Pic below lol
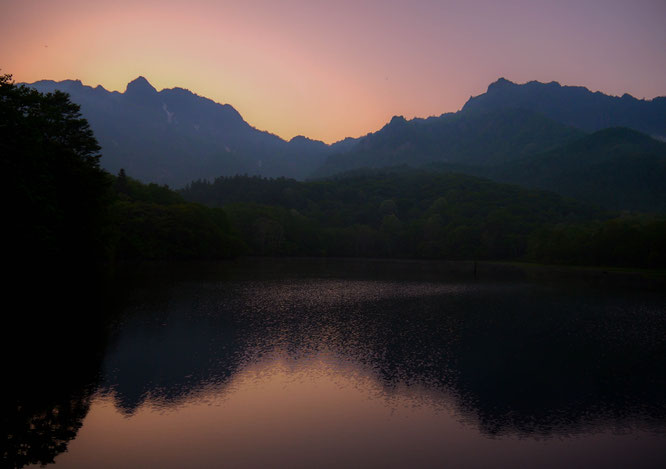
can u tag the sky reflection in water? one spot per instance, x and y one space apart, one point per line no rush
320 370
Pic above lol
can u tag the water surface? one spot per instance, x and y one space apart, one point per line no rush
314 363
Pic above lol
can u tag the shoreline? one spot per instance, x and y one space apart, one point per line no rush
455 270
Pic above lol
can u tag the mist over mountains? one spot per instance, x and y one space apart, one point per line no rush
539 135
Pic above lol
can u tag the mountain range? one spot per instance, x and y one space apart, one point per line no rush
174 136
575 106
597 148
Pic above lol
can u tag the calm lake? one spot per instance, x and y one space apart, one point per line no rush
351 363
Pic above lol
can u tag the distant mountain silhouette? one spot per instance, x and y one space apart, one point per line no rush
175 136
486 138
534 134
575 105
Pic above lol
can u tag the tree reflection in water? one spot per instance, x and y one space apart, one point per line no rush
515 357
519 357
53 344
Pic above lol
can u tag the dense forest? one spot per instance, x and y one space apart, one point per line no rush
617 168
68 211
404 212
149 221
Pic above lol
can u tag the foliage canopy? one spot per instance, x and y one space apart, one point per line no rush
51 160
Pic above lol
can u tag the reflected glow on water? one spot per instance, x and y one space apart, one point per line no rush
396 367
319 413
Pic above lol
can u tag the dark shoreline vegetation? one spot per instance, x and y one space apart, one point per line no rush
410 213
69 211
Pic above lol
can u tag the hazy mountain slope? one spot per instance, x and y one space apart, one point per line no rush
617 168
174 136
483 138
575 105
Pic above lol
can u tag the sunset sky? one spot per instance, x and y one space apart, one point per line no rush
332 69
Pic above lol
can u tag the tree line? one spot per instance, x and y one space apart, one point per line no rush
410 213
66 210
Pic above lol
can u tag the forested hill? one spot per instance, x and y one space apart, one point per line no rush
617 168
357 196
402 212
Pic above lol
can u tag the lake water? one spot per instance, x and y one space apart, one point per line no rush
348 363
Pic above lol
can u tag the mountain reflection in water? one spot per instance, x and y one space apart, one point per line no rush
376 364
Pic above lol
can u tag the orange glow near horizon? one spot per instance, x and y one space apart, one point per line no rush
316 412
295 411
329 71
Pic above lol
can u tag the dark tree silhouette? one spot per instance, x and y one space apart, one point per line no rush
51 163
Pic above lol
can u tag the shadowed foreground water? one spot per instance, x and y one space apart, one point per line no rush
356 364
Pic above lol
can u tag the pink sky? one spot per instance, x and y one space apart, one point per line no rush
329 70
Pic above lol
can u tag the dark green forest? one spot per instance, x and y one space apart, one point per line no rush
618 168
149 221
409 213
67 210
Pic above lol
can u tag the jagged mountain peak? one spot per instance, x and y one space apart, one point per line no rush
500 83
301 138
574 105
396 122
140 85
174 136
